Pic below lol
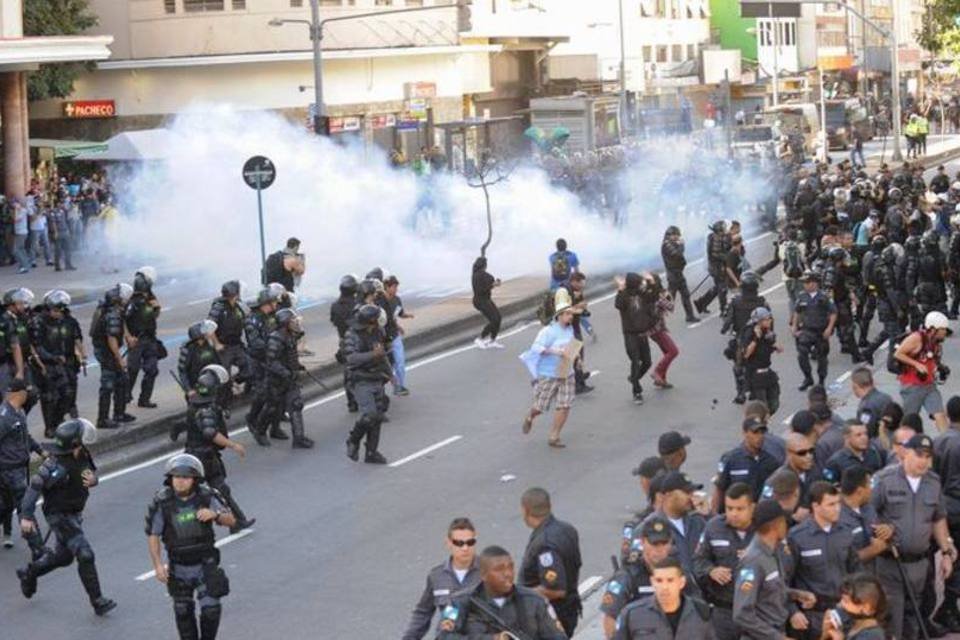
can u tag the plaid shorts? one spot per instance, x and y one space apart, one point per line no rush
547 389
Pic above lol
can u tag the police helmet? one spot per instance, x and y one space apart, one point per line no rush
230 289
719 226
348 284
202 328
836 253
20 294
57 298
265 297
912 244
879 243
124 291
935 320
290 300
276 290
368 313
374 274
749 279
71 434
183 465
211 378
930 238
809 275
894 194
366 288
285 316
759 314
672 230
144 278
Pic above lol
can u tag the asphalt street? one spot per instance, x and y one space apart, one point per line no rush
342 549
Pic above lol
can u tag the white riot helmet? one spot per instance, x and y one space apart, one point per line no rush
935 320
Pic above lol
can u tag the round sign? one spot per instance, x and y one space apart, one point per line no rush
259 172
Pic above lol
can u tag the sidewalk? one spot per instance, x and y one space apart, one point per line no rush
938 151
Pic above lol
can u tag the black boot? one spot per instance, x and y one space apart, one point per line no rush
209 622
186 622
103 412
243 522
373 443
277 432
91 584
146 392
28 581
300 441
806 384
259 434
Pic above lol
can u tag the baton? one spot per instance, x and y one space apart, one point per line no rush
910 594
316 380
695 289
177 380
615 563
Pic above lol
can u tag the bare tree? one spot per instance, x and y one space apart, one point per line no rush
489 171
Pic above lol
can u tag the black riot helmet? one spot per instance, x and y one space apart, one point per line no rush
230 289
889 255
375 274
836 253
285 316
265 297
931 239
143 279
211 378
368 314
366 288
719 226
912 244
200 329
71 434
894 194
749 280
879 243
348 285
183 465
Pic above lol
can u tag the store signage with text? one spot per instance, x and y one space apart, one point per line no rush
90 109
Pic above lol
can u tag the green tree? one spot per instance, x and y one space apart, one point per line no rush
56 18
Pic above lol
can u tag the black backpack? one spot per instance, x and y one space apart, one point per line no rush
546 309
894 366
560 268
273 269
792 260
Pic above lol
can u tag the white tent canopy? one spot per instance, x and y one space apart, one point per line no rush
134 146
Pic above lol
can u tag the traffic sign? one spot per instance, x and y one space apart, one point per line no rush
259 172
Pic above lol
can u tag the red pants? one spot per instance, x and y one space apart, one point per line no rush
669 349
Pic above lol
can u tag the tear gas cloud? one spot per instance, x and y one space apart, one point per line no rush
353 212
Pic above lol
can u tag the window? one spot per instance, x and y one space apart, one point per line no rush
677 54
691 52
239 5
414 3
647 53
326 3
170 6
296 4
661 53
193 6
383 3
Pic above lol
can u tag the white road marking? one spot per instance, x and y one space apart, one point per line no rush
844 377
588 584
200 301
233 537
425 451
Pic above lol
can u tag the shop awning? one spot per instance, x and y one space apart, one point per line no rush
133 146
67 148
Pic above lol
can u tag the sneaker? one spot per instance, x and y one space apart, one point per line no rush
495 345
146 404
481 343
22 271
7 541
638 398
402 391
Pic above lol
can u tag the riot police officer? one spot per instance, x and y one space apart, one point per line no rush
674 262
812 323
369 370
196 353
551 562
228 312
723 542
64 481
340 313
931 292
106 332
756 343
17 305
868 293
735 319
895 222
181 518
718 246
257 327
16 445
144 351
55 342
890 301
12 357
283 366
207 437
838 285
908 277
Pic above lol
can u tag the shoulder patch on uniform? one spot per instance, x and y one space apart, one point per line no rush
747 574
550 575
828 474
720 466
546 558
767 491
614 587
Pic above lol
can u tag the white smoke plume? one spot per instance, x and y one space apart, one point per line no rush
353 212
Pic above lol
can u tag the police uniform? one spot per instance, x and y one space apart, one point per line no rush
552 560
442 585
257 328
736 318
16 444
822 558
720 546
806 478
912 514
368 374
340 312
946 463
8 345
760 597
739 465
871 408
141 318
646 619
859 523
283 366
54 343
873 459
193 357
108 323
230 319
761 380
469 616
813 317
684 542
194 561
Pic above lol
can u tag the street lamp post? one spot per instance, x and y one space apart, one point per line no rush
623 75
316 35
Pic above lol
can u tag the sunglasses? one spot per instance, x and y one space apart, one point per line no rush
759 430
464 543
803 452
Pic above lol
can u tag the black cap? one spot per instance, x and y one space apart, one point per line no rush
753 424
674 480
802 422
672 441
16 385
920 442
656 530
649 467
767 511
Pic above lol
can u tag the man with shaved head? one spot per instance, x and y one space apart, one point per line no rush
497 606
800 461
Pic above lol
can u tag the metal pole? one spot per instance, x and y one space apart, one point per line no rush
624 119
727 116
896 156
263 244
823 117
863 58
775 23
316 35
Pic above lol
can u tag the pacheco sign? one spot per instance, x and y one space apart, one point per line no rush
78 109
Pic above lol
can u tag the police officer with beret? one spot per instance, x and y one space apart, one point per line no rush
749 463
649 470
676 508
723 543
497 608
909 499
460 572
761 598
551 562
16 445
670 613
64 481
812 323
823 555
181 518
